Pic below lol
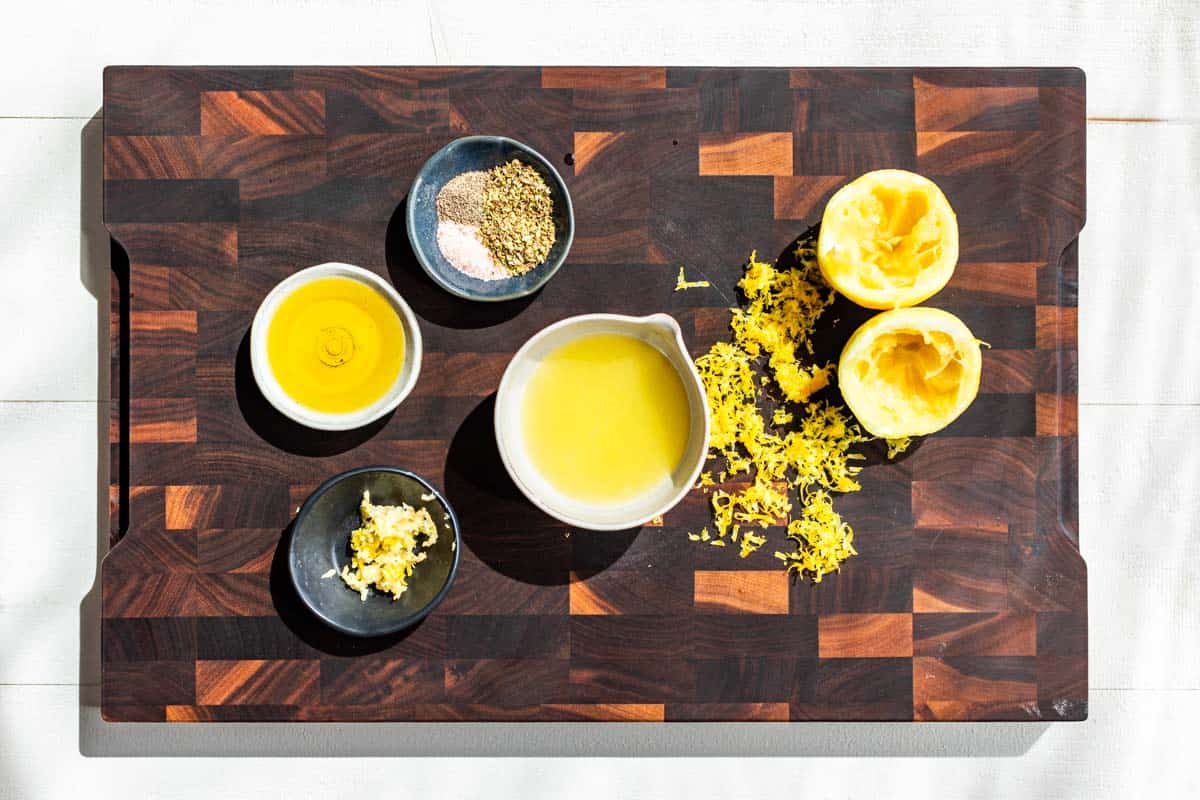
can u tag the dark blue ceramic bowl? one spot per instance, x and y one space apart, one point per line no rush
483 153
321 541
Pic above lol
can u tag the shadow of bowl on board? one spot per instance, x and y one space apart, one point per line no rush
306 626
838 323
430 301
280 431
503 529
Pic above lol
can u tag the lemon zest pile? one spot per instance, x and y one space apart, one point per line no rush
751 542
385 547
814 455
783 310
683 283
823 540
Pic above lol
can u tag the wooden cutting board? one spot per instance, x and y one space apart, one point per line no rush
968 599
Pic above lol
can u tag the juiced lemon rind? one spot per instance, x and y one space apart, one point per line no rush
910 372
889 239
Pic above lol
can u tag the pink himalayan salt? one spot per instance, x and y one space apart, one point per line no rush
461 246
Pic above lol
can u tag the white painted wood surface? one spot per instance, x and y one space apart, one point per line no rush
1139 416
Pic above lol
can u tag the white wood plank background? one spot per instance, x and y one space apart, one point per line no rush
1139 416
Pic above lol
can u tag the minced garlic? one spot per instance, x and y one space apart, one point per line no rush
385 547
813 455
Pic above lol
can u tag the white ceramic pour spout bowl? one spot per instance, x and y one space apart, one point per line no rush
274 393
662 332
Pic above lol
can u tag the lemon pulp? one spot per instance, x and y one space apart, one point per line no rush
335 345
910 372
605 418
888 239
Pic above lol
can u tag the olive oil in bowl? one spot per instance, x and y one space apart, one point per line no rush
335 345
605 418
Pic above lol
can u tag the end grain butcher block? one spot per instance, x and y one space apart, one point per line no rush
968 599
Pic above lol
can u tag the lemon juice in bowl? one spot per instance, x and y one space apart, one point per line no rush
605 418
602 421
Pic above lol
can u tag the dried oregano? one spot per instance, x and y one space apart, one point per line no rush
518 222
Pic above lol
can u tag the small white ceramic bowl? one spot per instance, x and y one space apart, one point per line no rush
663 333
265 377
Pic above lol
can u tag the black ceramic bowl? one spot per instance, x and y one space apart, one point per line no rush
321 541
482 153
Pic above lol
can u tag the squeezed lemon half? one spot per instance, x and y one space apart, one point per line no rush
910 371
889 239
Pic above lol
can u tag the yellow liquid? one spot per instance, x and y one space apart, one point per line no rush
335 345
605 418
